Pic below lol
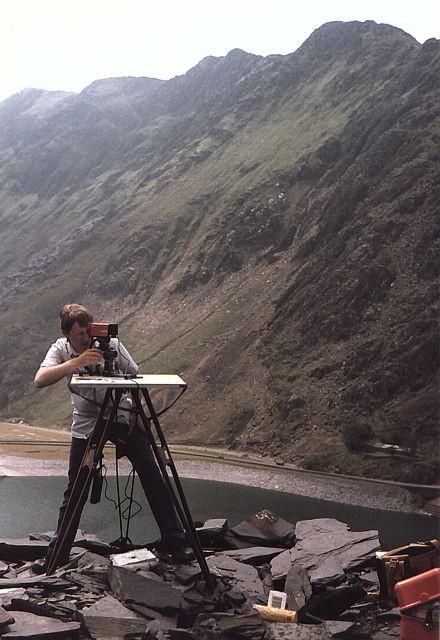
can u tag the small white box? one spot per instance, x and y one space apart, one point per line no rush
133 557
277 599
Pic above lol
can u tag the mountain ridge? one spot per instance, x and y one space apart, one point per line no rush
306 183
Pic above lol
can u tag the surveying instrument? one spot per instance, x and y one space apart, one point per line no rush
116 387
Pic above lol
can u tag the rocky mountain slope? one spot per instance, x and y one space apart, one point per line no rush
264 226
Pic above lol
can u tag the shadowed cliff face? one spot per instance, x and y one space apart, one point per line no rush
263 226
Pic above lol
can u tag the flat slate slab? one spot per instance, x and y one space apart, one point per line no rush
245 576
144 588
108 617
243 627
6 595
22 549
212 533
43 580
265 528
214 525
297 587
252 555
326 549
29 625
316 526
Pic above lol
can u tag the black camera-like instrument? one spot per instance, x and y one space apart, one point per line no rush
100 335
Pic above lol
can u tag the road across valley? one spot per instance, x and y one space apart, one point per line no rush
28 450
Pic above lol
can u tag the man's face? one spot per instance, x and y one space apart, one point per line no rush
79 337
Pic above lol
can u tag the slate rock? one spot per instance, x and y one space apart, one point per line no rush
130 586
297 587
231 541
389 633
281 565
38 606
49 582
338 629
234 598
109 617
212 533
392 614
327 549
244 576
214 525
4 568
82 539
283 631
370 578
29 625
332 602
265 528
254 555
7 595
317 526
94 584
5 619
91 542
185 574
230 625
88 558
145 612
172 634
10 574
13 550
161 624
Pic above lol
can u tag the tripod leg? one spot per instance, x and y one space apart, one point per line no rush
182 506
67 530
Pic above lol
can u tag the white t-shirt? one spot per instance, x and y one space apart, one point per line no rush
86 405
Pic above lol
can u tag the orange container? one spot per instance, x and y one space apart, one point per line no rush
419 602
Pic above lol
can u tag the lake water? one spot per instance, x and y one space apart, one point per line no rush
30 505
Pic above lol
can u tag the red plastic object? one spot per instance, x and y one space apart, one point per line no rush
418 590
417 597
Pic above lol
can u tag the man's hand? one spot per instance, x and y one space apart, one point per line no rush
50 375
88 357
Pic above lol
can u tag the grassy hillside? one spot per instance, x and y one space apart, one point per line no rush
263 226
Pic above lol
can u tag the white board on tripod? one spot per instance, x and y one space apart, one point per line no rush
142 381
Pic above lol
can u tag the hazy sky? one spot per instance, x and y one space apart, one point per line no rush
66 44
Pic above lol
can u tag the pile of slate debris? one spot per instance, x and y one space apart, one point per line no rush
326 570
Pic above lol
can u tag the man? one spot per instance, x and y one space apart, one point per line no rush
71 355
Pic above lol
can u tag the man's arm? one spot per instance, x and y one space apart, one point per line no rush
125 362
47 375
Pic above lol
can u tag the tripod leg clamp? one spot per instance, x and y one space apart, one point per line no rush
95 495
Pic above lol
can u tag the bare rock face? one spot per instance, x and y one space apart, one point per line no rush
307 182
